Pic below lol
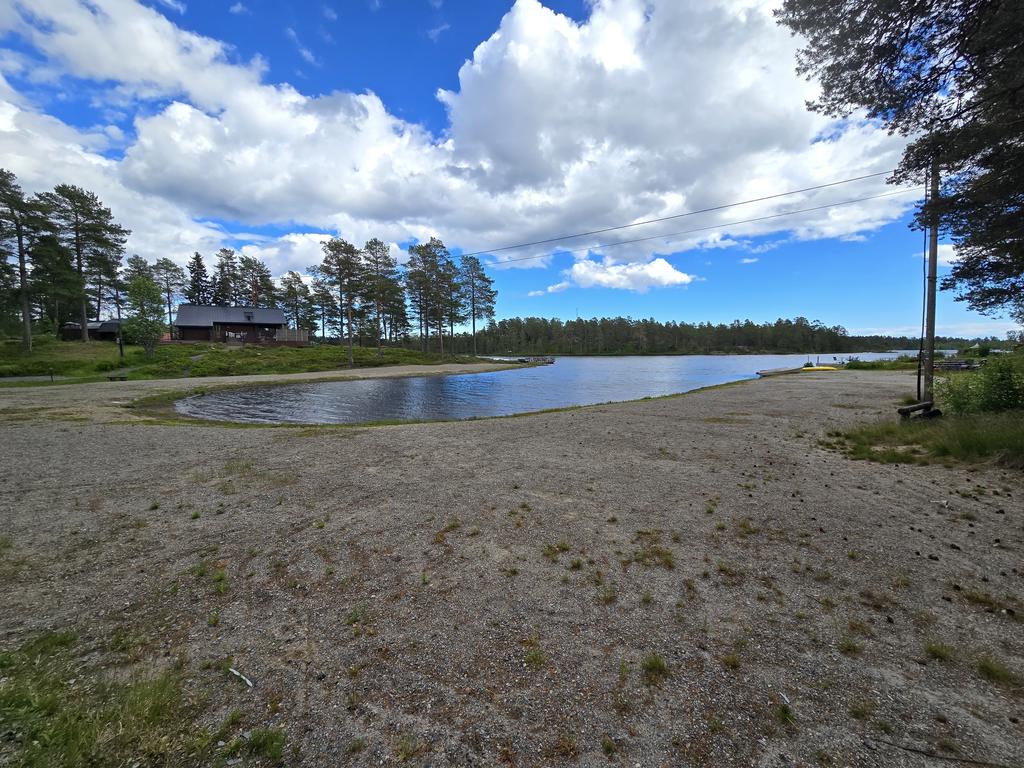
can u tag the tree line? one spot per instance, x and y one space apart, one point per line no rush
623 335
63 261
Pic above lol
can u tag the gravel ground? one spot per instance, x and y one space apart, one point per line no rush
493 592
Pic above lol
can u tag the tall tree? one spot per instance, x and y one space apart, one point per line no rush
226 282
171 279
198 290
54 281
343 266
381 277
427 280
136 266
89 231
949 73
479 293
21 222
256 284
295 301
144 325
324 302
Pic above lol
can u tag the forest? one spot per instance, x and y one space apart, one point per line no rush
64 262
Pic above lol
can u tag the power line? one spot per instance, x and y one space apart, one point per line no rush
713 226
678 215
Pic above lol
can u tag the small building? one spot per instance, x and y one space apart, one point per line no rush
244 325
99 330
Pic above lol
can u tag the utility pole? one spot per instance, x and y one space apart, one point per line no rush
933 266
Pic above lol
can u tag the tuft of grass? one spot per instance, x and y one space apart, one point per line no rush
408 747
565 747
213 619
862 710
654 669
267 742
938 651
995 671
848 646
553 551
535 658
731 661
608 745
784 716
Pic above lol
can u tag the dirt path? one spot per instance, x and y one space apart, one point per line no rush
495 592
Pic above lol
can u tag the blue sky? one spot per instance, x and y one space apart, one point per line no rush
267 126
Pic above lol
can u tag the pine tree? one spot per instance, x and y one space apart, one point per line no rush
198 290
171 279
22 222
89 231
479 292
256 284
381 278
226 282
343 266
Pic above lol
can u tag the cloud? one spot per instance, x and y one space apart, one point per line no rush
239 9
304 52
556 288
437 31
748 260
555 126
329 13
174 5
947 254
629 277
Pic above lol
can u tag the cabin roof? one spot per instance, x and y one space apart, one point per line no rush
203 316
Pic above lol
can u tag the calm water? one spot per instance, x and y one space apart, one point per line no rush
570 381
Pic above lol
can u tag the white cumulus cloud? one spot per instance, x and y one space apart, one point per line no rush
646 109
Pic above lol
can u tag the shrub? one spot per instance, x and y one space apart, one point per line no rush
998 386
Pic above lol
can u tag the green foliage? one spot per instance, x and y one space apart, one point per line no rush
902 363
996 386
950 74
59 716
144 325
977 437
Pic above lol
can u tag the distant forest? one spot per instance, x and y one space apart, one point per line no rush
626 336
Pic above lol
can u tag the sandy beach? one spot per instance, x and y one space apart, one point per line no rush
493 592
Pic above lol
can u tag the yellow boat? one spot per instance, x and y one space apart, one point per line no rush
819 368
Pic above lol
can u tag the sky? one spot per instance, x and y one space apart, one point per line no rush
268 126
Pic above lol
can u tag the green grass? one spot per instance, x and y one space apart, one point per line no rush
903 363
59 715
974 438
95 359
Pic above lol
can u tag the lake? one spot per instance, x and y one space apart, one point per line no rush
570 381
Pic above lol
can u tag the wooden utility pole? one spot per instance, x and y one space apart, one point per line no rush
933 266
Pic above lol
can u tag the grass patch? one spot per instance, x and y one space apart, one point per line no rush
58 713
973 438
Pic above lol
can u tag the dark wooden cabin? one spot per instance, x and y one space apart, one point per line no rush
248 325
99 330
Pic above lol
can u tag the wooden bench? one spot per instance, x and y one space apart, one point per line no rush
117 377
926 408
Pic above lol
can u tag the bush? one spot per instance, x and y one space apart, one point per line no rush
998 386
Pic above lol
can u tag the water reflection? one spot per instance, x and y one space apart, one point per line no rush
570 381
